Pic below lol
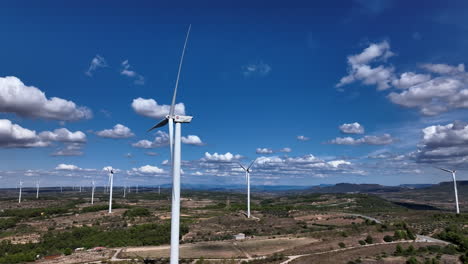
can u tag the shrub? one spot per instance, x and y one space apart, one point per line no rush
362 242
138 211
342 245
388 238
369 240
67 251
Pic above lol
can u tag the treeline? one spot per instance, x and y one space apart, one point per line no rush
88 237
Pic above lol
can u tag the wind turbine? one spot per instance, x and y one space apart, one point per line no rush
125 189
454 186
175 147
37 189
20 191
111 180
247 178
92 191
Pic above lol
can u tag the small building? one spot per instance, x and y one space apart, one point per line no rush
240 236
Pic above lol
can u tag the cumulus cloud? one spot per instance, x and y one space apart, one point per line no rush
69 149
361 70
260 68
138 79
431 95
151 108
353 128
192 140
215 157
264 151
151 153
67 167
337 163
302 138
29 101
148 169
118 131
444 144
409 79
63 135
444 68
435 96
161 140
15 136
384 139
285 150
96 62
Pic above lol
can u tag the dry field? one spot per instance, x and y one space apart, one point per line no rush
223 249
367 254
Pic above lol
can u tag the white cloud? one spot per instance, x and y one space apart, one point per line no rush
15 136
150 108
70 149
197 173
118 131
302 138
29 101
285 150
67 167
148 169
161 140
227 157
446 144
192 140
96 62
146 144
435 96
150 153
63 135
448 90
337 163
444 68
385 139
353 128
259 68
138 79
264 151
409 79
361 70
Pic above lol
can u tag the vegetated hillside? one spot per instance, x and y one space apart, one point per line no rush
355 188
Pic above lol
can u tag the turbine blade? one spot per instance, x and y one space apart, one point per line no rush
445 170
251 164
242 166
171 112
158 125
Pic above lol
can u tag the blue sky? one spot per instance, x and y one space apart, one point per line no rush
256 76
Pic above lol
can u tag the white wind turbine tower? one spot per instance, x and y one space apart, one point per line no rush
247 178
111 180
454 187
92 191
175 147
20 191
37 189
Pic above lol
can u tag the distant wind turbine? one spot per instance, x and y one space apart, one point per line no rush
454 186
92 191
20 191
37 189
175 146
247 178
111 180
